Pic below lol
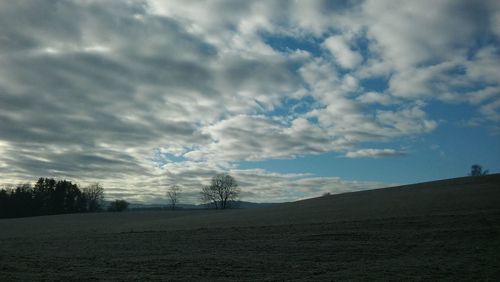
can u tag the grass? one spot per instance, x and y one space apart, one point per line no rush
445 230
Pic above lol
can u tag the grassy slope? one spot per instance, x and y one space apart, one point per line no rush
439 230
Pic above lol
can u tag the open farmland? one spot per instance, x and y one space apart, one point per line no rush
446 230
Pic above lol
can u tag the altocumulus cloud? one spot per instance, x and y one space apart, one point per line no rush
92 90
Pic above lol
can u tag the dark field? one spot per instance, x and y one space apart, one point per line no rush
447 230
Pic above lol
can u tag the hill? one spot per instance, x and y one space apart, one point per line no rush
235 204
442 230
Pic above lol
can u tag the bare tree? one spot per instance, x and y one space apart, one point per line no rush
173 194
208 195
94 196
222 190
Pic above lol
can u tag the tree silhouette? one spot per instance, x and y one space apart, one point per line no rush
209 196
5 204
118 206
222 190
22 200
66 196
173 194
93 197
477 170
44 195
48 196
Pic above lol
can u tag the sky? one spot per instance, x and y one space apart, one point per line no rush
292 98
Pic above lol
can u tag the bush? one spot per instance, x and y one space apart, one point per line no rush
477 170
118 206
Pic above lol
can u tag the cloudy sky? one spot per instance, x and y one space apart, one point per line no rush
292 98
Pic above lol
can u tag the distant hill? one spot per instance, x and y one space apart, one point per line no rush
251 205
236 205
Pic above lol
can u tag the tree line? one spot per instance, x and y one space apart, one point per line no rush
48 197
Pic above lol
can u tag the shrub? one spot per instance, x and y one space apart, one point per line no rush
118 206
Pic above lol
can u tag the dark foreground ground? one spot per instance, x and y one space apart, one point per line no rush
448 230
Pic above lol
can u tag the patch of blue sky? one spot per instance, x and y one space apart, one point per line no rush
457 70
361 45
284 43
423 165
451 150
482 41
291 107
374 84
334 164
477 86
447 152
460 113
161 158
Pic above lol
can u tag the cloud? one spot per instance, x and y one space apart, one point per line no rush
374 153
375 97
482 67
344 55
406 121
415 46
92 90
492 111
255 137
410 33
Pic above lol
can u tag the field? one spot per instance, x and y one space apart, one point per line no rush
444 230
